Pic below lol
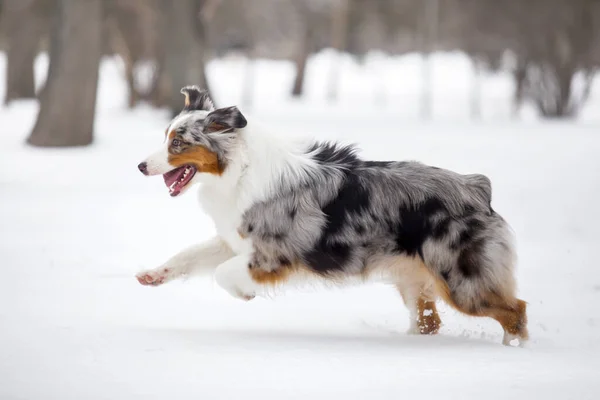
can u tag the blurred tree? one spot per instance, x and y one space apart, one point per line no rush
23 40
429 35
132 32
123 39
68 102
562 48
340 14
553 42
304 46
300 60
475 96
184 47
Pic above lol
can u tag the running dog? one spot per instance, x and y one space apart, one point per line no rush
289 209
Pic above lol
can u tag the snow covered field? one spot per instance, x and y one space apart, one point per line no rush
77 224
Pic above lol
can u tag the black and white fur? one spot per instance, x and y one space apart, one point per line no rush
286 209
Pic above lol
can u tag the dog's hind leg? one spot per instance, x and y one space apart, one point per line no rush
509 311
479 287
424 318
417 287
473 265
419 297
193 260
512 315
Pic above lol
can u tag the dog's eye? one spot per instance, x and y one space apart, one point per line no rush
176 142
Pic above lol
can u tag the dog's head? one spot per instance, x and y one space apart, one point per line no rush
197 142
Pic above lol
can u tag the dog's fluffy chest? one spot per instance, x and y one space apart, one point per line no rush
225 213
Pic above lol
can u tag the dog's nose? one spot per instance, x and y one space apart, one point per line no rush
143 167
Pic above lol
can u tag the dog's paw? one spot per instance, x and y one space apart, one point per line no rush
154 277
513 340
243 296
235 279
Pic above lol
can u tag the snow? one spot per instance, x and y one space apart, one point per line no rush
77 224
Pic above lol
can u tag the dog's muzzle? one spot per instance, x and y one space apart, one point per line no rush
143 167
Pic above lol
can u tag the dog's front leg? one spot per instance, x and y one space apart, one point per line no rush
196 259
234 276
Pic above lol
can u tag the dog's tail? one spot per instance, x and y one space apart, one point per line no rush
481 187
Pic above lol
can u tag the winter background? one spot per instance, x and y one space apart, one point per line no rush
76 225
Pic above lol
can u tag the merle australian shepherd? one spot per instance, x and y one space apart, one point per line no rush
286 209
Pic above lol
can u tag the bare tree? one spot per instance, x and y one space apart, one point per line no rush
562 49
68 102
340 14
130 32
430 27
476 87
519 76
184 46
23 39
553 41
304 45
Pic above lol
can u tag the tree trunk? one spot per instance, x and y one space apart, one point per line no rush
23 40
564 76
68 102
549 86
301 60
476 88
340 14
159 94
185 40
160 87
429 34
118 44
520 78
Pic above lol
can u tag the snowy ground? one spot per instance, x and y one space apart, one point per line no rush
76 225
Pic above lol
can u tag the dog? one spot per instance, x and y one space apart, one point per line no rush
288 209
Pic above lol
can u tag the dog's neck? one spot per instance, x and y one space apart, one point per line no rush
262 164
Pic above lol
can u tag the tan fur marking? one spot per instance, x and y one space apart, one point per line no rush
513 320
510 312
203 159
278 275
413 276
428 321
418 290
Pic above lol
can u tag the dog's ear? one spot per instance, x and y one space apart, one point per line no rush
224 119
197 99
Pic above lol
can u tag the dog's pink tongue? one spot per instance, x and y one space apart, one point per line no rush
173 176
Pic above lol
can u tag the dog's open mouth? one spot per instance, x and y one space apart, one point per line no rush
178 178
